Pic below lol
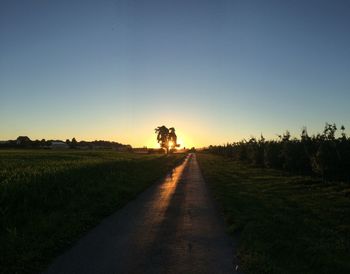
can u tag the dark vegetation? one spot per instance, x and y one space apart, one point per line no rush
167 138
25 142
49 198
324 155
283 223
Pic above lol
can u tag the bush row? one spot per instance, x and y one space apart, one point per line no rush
325 154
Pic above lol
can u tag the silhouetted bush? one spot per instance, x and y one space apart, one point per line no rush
272 155
324 155
255 149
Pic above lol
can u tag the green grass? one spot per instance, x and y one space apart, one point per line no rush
283 224
49 198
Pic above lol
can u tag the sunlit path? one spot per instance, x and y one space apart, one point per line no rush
173 227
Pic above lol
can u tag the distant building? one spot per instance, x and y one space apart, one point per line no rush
59 145
139 150
123 148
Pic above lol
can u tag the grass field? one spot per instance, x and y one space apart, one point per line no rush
49 198
283 224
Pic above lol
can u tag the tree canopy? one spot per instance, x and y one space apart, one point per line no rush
167 138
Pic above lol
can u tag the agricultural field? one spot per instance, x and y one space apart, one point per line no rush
282 223
50 198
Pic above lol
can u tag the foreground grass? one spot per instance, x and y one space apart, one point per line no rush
284 224
49 198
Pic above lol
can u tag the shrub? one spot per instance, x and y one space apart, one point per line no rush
324 155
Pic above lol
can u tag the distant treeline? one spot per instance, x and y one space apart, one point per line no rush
26 142
324 154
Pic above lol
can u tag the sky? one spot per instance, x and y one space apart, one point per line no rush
218 71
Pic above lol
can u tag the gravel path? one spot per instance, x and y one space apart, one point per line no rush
173 227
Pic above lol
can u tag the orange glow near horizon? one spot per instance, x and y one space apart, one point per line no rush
151 142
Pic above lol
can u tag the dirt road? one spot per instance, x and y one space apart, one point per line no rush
173 227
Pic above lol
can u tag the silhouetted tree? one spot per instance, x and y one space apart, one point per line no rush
163 137
326 161
172 139
166 138
73 143
193 149
272 155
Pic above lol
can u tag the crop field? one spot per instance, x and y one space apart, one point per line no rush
283 223
50 198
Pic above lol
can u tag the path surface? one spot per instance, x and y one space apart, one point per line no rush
173 227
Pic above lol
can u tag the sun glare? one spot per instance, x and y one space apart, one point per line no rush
152 142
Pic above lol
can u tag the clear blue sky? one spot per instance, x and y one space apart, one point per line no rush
216 70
